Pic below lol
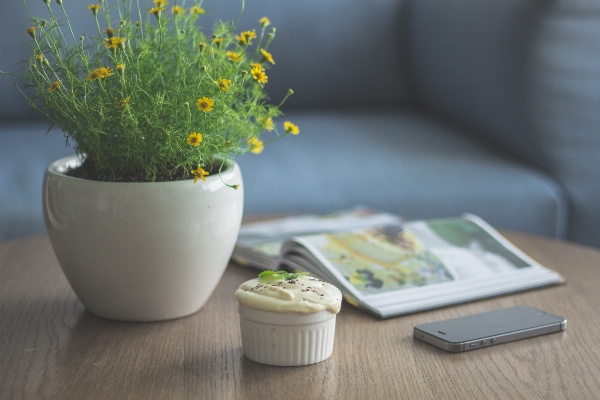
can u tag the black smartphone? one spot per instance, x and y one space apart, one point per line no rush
489 328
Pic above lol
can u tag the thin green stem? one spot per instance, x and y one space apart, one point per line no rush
55 22
81 55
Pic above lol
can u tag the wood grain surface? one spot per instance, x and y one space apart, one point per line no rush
51 348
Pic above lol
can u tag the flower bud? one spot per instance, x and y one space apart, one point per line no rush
31 31
41 59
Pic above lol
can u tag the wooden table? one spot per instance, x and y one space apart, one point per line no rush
50 347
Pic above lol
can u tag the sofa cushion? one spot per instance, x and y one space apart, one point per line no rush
25 152
564 108
467 61
334 53
403 162
523 75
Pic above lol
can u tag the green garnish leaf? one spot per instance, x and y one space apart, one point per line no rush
272 276
266 273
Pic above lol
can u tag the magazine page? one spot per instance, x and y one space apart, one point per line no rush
397 269
259 244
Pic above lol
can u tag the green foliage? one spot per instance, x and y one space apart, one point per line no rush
151 94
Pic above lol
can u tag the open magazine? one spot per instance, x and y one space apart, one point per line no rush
259 243
397 268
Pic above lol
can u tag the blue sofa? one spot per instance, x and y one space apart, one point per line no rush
423 108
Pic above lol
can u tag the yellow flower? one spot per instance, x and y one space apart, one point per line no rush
110 32
291 128
99 73
256 145
218 41
122 103
54 86
257 66
223 84
267 56
40 58
156 11
264 21
94 8
197 10
194 139
269 125
259 75
199 173
114 42
160 3
245 37
177 10
205 104
31 31
233 56
120 68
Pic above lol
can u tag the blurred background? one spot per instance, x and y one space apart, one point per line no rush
424 108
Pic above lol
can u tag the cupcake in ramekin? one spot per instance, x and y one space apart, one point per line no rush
287 319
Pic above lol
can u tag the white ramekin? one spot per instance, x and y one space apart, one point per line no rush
286 339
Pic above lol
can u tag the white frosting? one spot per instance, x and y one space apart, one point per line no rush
305 295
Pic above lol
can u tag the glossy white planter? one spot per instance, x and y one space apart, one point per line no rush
142 251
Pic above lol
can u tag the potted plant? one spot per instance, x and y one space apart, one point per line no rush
144 219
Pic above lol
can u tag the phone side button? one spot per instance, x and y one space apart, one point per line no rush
493 341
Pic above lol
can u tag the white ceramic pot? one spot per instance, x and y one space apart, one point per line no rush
142 251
